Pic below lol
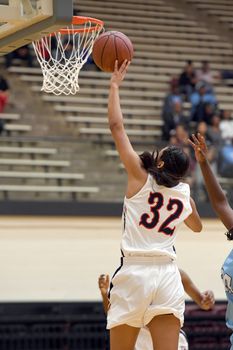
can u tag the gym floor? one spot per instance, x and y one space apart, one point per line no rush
60 259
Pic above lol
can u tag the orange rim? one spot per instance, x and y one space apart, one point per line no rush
79 20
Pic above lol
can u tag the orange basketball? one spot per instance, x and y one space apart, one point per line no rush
109 47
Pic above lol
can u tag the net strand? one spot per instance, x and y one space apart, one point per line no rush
62 57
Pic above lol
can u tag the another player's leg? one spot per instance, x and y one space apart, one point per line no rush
164 331
123 337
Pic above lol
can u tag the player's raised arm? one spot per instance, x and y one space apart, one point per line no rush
127 154
217 197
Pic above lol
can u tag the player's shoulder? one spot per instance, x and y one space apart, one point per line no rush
180 187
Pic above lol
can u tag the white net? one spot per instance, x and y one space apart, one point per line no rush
61 56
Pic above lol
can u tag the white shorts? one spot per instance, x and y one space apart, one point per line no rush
145 287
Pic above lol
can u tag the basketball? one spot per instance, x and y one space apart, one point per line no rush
109 47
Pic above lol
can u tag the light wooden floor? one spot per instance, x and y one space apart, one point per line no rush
61 258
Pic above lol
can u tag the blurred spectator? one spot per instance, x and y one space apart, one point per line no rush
4 96
173 94
90 65
202 128
225 161
206 75
187 80
226 75
23 54
168 105
181 135
208 113
214 131
4 93
173 140
226 125
48 48
173 118
199 99
69 48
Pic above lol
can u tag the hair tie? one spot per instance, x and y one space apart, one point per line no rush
229 234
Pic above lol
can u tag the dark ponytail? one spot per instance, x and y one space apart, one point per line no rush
176 164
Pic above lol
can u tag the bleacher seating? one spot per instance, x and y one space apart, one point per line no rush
9 128
58 177
32 151
163 40
222 10
10 116
73 190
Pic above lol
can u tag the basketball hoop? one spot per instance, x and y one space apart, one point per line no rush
62 54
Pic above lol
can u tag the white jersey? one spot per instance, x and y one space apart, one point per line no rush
151 218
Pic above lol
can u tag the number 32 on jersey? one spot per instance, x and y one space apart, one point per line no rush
156 201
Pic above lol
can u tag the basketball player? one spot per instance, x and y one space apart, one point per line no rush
147 290
225 213
204 300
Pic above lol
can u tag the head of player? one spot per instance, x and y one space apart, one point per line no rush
168 167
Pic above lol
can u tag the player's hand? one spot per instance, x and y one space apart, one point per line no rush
199 145
119 73
103 284
207 300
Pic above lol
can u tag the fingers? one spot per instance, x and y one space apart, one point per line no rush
116 66
103 281
208 299
123 68
194 142
191 143
195 139
200 137
210 296
128 64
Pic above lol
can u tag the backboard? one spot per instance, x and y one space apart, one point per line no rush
24 21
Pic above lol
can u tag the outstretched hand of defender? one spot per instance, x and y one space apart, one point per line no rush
103 284
119 73
199 145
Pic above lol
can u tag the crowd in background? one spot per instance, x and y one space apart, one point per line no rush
195 86
204 116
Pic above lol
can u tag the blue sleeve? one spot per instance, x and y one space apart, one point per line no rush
194 99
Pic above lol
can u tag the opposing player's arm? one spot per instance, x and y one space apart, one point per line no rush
217 197
103 282
205 300
193 221
128 156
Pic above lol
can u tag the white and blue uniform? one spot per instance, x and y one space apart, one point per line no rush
227 277
148 283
